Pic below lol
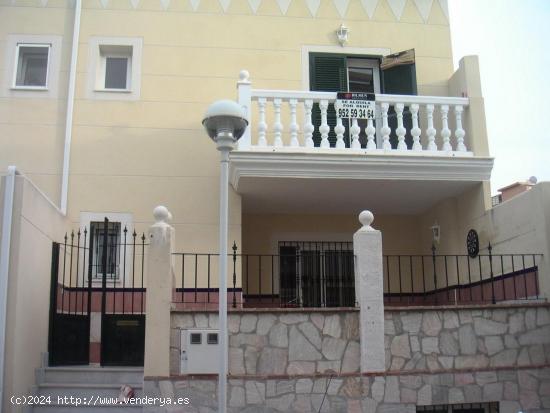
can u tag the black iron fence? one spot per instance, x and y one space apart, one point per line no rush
321 274
460 279
305 274
100 270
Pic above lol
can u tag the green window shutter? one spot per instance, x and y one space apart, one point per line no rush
327 73
399 78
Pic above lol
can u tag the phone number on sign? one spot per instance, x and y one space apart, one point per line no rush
355 113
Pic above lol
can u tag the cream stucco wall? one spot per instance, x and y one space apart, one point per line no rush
128 156
36 223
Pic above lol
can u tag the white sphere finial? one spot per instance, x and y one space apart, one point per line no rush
244 76
161 215
366 218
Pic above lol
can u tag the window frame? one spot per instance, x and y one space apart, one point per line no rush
101 77
18 47
100 48
125 220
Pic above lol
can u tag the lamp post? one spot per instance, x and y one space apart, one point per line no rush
225 123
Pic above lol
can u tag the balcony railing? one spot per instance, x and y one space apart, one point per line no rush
416 125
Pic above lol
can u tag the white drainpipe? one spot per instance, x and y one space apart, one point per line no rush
5 242
70 109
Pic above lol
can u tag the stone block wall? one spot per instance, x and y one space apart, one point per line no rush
446 339
526 390
281 342
308 361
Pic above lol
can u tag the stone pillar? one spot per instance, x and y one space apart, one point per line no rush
369 292
160 281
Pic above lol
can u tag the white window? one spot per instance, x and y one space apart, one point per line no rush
114 68
32 66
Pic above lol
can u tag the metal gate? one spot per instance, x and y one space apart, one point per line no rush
98 273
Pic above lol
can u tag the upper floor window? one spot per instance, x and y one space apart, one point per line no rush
114 68
32 65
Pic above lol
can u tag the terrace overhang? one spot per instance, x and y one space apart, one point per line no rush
343 182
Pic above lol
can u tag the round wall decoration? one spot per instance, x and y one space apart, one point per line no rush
472 243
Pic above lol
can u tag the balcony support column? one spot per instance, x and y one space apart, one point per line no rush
369 292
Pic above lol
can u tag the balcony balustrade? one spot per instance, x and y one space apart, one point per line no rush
403 125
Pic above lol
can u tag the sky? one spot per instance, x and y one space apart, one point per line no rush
512 40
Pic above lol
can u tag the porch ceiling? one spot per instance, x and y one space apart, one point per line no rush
338 196
275 182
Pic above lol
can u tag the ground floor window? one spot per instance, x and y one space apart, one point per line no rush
461 408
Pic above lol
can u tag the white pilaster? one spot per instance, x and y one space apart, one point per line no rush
244 90
159 295
369 292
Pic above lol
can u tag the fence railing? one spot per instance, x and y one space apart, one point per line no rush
316 277
460 279
93 266
321 274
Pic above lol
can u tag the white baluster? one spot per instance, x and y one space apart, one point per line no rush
400 131
430 131
355 130
459 132
277 126
293 124
324 128
339 129
262 125
445 131
308 128
385 128
370 131
415 131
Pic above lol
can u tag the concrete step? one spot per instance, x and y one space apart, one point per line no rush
84 390
89 375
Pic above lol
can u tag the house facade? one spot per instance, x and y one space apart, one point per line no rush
101 109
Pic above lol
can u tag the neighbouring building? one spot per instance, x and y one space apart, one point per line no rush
439 304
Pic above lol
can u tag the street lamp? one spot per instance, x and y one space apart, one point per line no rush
225 122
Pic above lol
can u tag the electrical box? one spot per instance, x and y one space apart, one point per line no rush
199 352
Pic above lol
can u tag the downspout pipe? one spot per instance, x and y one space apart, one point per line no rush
5 241
70 109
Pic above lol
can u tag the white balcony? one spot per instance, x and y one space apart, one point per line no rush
422 139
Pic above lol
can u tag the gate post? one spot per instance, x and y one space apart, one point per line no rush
369 293
160 281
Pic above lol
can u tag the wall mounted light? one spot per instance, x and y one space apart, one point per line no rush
342 33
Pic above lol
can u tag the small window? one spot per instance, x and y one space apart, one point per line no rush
32 65
196 338
116 68
98 237
212 338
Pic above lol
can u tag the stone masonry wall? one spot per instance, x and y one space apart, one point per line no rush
281 342
516 390
308 361
447 339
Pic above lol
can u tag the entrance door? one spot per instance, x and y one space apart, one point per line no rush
115 256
